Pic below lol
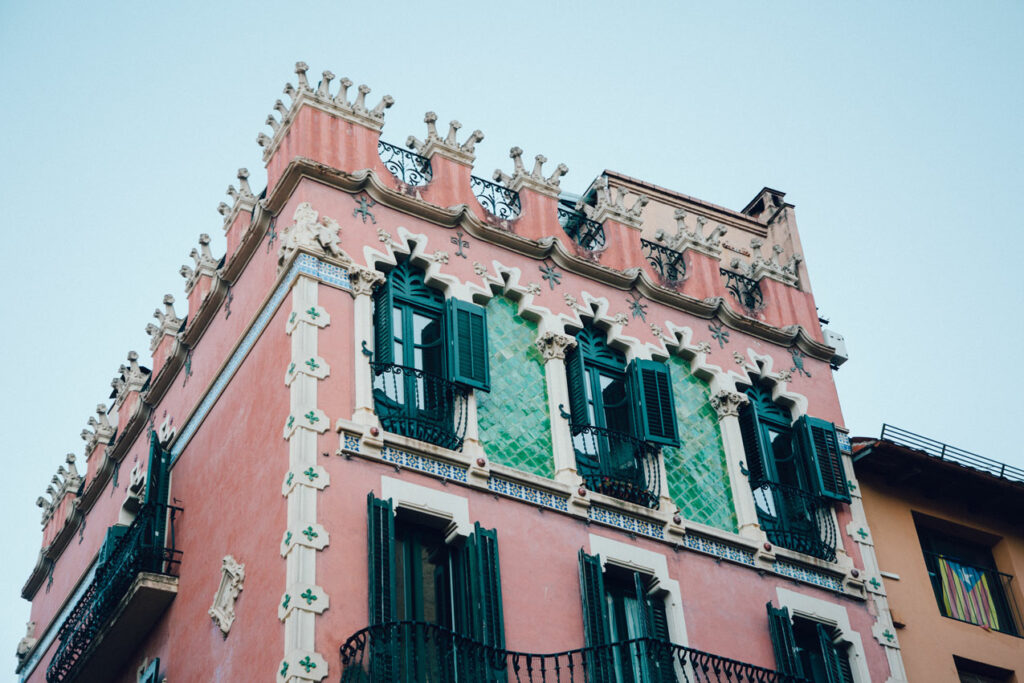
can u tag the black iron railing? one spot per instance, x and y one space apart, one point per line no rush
499 201
617 464
942 451
418 652
746 290
406 166
420 405
668 263
977 595
795 519
147 546
583 231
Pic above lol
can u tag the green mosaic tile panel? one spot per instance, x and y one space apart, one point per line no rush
698 480
513 417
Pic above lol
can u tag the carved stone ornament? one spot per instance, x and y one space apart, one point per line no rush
760 267
312 232
26 644
693 239
100 431
64 482
130 378
223 609
364 280
205 264
533 179
465 152
727 403
554 345
169 323
614 207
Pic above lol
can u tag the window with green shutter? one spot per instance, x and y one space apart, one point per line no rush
467 343
820 447
787 657
651 389
808 648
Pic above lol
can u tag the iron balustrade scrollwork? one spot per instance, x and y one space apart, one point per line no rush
420 405
583 231
420 652
976 595
618 464
668 263
943 451
499 201
746 290
408 167
796 519
139 550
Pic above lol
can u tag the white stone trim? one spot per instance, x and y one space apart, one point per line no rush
831 614
653 564
232 577
410 496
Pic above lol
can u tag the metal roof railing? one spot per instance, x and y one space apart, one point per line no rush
943 451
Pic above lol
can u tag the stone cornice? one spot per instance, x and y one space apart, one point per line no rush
460 216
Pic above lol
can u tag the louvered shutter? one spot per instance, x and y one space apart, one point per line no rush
478 603
381 553
663 664
576 379
466 325
114 534
158 474
783 642
820 447
599 660
752 445
383 330
833 668
650 388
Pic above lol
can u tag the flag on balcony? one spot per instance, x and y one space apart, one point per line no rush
966 594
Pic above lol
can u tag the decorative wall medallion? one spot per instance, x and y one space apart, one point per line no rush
798 362
719 333
551 274
223 609
440 257
363 209
638 309
459 243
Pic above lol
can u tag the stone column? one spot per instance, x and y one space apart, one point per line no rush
552 346
726 404
364 281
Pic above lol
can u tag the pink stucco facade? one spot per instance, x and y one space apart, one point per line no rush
244 420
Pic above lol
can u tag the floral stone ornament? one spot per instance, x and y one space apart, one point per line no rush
223 609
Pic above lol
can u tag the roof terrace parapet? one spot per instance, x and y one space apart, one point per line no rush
534 179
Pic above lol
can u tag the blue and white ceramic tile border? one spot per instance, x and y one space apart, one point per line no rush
528 493
631 524
425 464
304 263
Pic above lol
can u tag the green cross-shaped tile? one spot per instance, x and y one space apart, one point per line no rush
284 669
287 538
875 583
287 600
313 313
309 533
311 474
288 481
863 534
313 365
307 664
311 416
308 596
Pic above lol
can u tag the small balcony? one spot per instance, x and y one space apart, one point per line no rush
499 201
418 652
745 290
420 405
667 263
976 595
795 519
583 231
408 167
617 464
127 596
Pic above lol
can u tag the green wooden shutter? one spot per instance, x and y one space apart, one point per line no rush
820 447
383 332
485 580
650 389
158 474
466 326
600 662
381 553
752 445
576 379
783 641
114 534
830 655
662 660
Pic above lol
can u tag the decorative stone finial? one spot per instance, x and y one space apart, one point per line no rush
760 267
65 481
608 206
26 644
205 264
242 199
129 378
464 152
535 178
685 239
169 323
323 90
310 231
300 70
100 430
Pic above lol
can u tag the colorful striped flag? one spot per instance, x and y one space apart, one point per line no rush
966 594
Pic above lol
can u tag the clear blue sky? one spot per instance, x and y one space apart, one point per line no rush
893 127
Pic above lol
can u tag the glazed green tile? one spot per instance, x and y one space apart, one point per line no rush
513 416
698 480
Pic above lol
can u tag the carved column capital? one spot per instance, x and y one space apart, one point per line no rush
364 280
727 403
554 345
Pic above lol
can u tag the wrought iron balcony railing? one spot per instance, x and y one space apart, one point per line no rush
499 201
583 231
746 290
141 549
977 595
420 405
617 464
408 167
795 519
418 652
668 263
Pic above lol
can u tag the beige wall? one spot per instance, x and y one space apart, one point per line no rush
928 639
